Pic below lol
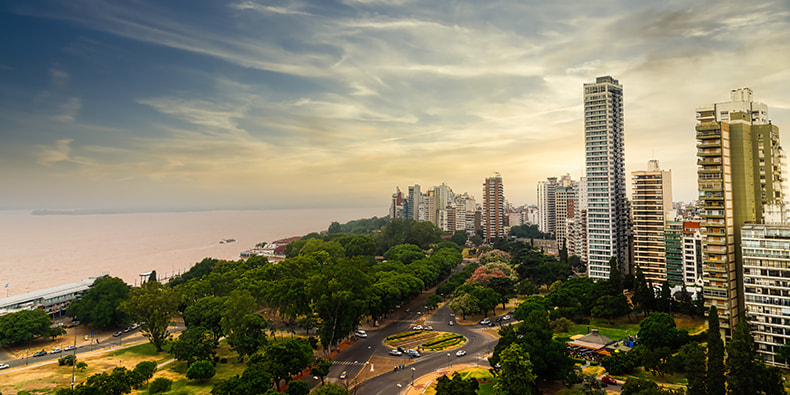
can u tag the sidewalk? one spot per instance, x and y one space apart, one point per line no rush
423 382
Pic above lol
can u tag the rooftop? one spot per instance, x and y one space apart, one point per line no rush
47 293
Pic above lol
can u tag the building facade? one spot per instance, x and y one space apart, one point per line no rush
607 217
493 208
546 205
692 253
651 206
766 278
739 173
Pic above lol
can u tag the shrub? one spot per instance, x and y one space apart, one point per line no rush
159 385
201 370
68 360
82 365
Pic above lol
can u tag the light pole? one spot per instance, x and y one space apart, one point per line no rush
448 361
412 377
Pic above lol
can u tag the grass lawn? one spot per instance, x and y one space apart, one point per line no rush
176 371
622 327
483 377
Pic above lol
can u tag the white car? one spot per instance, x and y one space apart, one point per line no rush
361 333
4 366
395 353
460 353
55 351
505 318
485 321
417 328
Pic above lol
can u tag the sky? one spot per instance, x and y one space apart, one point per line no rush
335 103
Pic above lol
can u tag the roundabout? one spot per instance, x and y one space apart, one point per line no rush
425 340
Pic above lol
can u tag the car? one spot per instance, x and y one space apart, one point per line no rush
128 328
485 321
413 353
417 328
343 375
4 366
116 334
428 328
69 348
56 351
460 353
490 324
135 326
395 353
402 350
507 317
451 323
361 333
608 380
40 353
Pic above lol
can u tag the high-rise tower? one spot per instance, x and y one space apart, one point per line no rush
651 205
607 215
494 208
739 175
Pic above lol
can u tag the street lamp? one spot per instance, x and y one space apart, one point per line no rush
412 377
448 361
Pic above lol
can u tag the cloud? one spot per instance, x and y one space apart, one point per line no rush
68 110
60 79
60 151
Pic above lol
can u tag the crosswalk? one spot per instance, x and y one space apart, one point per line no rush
348 363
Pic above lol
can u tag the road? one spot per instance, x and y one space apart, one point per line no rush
356 359
106 344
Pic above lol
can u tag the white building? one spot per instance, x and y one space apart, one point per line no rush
546 209
692 253
741 102
607 215
766 283
51 300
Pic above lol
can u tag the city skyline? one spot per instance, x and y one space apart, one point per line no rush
247 104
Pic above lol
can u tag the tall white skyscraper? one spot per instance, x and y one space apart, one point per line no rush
546 208
607 216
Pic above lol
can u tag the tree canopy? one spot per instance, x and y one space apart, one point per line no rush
99 306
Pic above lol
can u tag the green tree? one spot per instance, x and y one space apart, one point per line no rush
194 344
664 301
143 372
329 389
155 305
159 385
297 388
321 368
643 293
609 307
99 306
249 340
334 227
238 304
201 371
746 371
25 325
459 237
715 377
615 276
207 312
659 330
694 364
658 361
285 359
515 375
457 385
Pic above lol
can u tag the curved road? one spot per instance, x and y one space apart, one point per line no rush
355 359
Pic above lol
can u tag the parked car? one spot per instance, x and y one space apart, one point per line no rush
116 334
451 323
361 333
56 351
414 353
396 353
69 348
505 318
417 328
460 353
402 350
428 328
343 375
4 366
128 328
485 321
608 380
40 353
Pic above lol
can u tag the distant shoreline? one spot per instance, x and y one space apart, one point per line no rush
97 211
